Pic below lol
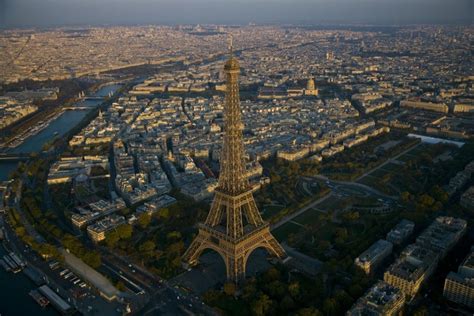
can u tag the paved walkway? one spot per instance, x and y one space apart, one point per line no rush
390 160
301 261
353 183
356 184
299 212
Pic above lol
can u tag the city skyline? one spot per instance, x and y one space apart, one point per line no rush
53 13
321 163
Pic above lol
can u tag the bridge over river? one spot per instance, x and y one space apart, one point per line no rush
12 157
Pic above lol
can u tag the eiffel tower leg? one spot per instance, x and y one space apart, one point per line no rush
191 256
268 242
236 268
274 247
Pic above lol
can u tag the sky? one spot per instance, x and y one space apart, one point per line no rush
47 13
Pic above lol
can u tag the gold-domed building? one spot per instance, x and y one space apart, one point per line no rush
311 88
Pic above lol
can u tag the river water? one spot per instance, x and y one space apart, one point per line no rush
56 128
14 289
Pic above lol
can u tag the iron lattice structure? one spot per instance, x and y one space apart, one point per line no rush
233 227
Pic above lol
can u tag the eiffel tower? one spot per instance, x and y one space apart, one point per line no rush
233 227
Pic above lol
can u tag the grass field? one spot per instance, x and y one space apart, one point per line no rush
388 178
392 167
282 232
268 211
331 204
308 217
319 234
406 157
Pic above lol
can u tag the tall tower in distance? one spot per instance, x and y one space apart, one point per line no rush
233 227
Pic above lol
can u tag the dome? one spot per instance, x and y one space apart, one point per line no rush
81 178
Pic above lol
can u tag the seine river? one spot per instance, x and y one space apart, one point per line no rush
14 288
57 128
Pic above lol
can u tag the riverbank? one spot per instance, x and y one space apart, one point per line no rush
58 127
15 294
82 104
31 131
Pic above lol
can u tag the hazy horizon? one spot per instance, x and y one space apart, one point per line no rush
49 13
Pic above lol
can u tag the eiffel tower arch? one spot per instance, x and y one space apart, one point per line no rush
233 227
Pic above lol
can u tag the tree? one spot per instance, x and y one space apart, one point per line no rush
174 235
261 305
287 303
111 238
125 211
147 247
308 311
439 194
355 290
20 231
341 232
229 288
48 251
120 286
144 220
330 306
351 216
276 289
324 245
421 311
343 299
92 259
211 296
426 200
294 289
272 274
125 231
438 206
249 290
405 196
163 213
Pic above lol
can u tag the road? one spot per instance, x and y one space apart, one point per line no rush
89 304
15 203
163 299
301 261
387 162
348 183
355 184
290 217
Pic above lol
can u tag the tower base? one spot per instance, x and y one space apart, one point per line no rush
234 252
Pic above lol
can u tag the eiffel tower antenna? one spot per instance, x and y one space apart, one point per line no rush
231 45
233 227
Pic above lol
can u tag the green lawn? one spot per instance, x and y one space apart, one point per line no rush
308 217
331 204
406 157
268 211
379 173
391 167
282 232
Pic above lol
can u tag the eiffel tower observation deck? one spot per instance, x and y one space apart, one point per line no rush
233 227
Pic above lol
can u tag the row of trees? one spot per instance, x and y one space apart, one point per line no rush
45 250
75 246
158 240
354 161
46 221
281 292
122 232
